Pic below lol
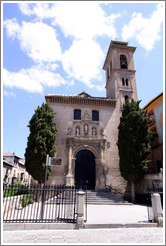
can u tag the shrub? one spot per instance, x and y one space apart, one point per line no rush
26 199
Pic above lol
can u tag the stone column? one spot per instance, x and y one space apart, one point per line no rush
102 176
69 176
102 150
80 209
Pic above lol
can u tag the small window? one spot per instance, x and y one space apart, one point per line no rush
95 116
125 82
110 66
77 114
123 62
107 73
126 98
22 176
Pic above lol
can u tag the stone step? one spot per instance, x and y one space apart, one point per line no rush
100 197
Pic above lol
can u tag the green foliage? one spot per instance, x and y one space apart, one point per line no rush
10 192
26 199
16 190
18 183
41 141
133 141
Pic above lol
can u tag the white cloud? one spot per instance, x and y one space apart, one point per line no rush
21 80
84 21
83 61
145 30
12 27
33 80
40 10
80 19
34 40
9 93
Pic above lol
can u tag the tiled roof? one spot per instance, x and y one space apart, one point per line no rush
11 155
151 101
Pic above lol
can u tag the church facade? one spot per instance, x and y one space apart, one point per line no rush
88 126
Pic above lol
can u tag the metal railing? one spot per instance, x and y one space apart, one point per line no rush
39 204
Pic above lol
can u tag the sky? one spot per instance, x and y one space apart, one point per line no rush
60 47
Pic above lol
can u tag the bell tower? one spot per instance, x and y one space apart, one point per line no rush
120 72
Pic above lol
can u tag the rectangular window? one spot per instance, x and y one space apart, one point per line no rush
77 114
151 116
158 165
95 115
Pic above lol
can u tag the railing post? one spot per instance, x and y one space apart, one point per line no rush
80 209
157 209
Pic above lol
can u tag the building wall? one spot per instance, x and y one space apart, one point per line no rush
107 133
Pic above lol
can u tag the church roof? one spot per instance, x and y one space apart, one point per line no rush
81 98
84 94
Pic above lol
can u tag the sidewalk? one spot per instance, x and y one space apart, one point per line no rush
98 217
115 214
86 236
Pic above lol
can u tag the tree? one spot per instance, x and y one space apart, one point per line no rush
41 141
133 143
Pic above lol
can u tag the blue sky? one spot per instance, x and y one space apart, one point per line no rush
60 48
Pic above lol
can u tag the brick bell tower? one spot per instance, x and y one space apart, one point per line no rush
120 72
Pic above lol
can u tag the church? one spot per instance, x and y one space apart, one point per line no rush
87 127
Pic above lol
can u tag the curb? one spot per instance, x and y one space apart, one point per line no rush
131 225
69 226
38 226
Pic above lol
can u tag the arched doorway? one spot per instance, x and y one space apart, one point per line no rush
85 169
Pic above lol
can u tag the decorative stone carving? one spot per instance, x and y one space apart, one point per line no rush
77 131
69 128
86 115
102 129
86 129
94 131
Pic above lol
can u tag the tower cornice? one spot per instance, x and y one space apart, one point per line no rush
121 46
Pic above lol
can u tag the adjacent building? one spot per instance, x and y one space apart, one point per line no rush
155 112
14 169
153 181
88 126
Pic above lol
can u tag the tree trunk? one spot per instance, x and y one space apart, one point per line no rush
132 192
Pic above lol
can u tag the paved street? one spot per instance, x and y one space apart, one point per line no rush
87 236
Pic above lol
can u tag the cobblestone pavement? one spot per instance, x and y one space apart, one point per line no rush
86 236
